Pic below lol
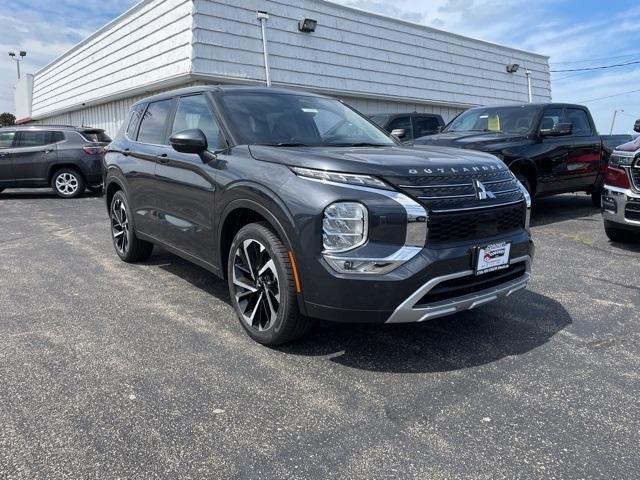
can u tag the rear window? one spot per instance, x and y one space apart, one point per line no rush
96 136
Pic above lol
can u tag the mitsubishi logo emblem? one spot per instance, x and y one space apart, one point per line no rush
481 191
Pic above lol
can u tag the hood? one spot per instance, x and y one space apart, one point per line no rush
631 146
381 161
471 140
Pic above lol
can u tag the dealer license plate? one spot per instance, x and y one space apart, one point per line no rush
493 257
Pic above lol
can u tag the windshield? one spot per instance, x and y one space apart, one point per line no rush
517 119
297 120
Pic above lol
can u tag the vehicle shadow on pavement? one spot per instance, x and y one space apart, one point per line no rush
507 328
559 208
42 194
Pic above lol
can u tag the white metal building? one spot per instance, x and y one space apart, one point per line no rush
375 63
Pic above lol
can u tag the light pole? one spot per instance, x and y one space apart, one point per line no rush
613 120
263 17
22 54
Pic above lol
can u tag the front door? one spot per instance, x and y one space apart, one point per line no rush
34 153
185 184
6 167
552 155
584 163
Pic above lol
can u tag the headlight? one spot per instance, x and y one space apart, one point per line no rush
344 226
348 178
621 159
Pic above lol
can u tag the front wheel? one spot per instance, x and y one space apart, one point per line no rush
67 183
262 286
128 246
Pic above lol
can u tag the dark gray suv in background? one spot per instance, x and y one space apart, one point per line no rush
67 159
310 210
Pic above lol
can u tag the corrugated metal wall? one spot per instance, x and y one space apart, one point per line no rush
150 44
353 51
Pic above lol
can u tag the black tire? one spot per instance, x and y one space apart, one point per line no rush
95 188
1 190
254 296
67 183
525 181
619 235
596 197
128 247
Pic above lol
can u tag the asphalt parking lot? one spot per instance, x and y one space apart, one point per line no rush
109 370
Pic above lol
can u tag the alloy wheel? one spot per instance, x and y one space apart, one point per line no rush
120 226
67 183
256 284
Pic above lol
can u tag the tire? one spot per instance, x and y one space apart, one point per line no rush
95 188
266 303
67 183
128 247
525 181
1 190
596 198
619 235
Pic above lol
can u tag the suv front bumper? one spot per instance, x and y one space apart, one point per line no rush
621 206
437 282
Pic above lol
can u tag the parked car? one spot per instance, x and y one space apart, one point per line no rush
621 192
349 226
65 158
407 126
551 148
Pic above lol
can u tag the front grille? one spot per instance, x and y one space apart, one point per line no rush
470 225
459 287
456 213
632 211
635 175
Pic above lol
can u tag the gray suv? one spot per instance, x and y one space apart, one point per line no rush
67 159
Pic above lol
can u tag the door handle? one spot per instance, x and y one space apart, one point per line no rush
47 151
162 158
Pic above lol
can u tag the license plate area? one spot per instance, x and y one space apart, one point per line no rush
492 257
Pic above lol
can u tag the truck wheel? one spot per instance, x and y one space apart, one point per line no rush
67 183
524 181
262 286
128 247
596 198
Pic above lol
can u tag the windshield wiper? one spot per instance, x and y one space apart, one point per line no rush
283 144
360 144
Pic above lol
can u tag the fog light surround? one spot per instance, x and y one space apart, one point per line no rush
345 226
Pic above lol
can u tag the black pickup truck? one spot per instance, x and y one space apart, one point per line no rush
551 148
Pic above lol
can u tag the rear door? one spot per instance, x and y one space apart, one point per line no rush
7 138
584 161
186 183
34 153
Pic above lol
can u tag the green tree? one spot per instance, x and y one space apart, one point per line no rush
7 119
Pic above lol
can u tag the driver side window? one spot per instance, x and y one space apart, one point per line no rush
193 112
550 118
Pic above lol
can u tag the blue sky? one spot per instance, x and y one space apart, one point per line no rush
575 33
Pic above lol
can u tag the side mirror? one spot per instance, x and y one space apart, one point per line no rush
189 141
558 130
399 132
636 126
